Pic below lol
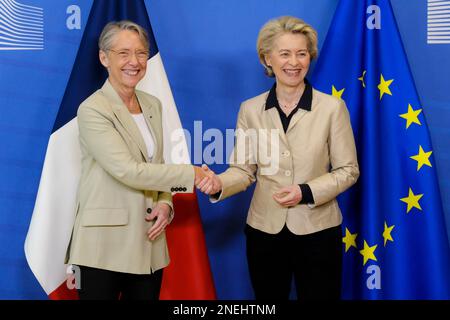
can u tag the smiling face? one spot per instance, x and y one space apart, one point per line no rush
126 60
289 59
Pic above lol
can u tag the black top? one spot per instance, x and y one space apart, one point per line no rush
304 103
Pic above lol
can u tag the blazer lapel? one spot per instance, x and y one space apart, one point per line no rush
307 102
295 118
151 120
124 117
276 122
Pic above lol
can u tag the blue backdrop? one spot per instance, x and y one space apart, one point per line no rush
208 48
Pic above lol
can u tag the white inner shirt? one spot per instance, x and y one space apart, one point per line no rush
146 134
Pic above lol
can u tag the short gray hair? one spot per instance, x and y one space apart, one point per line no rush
279 26
113 28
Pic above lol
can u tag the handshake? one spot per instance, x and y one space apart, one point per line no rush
206 180
209 183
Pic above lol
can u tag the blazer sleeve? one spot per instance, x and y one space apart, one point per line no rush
342 152
107 147
241 173
166 197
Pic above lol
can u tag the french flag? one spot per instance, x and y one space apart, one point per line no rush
188 276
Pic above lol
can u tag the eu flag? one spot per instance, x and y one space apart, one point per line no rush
395 240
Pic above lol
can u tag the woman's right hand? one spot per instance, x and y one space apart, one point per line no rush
211 184
200 175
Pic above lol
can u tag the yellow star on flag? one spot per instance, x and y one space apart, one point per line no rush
362 79
384 86
387 233
368 252
422 158
336 93
412 200
349 239
411 116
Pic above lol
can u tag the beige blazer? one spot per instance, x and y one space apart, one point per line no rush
318 149
119 185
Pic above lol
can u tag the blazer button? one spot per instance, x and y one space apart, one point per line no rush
172 189
184 189
287 173
149 210
286 153
177 189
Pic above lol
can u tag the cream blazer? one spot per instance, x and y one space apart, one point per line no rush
318 149
119 185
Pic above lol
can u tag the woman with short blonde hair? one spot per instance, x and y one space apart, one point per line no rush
294 222
276 27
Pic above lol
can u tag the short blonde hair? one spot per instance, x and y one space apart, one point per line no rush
279 26
106 38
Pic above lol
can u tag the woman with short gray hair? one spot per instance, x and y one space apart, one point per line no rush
124 200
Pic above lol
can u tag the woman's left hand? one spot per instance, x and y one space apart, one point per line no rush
161 212
288 196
